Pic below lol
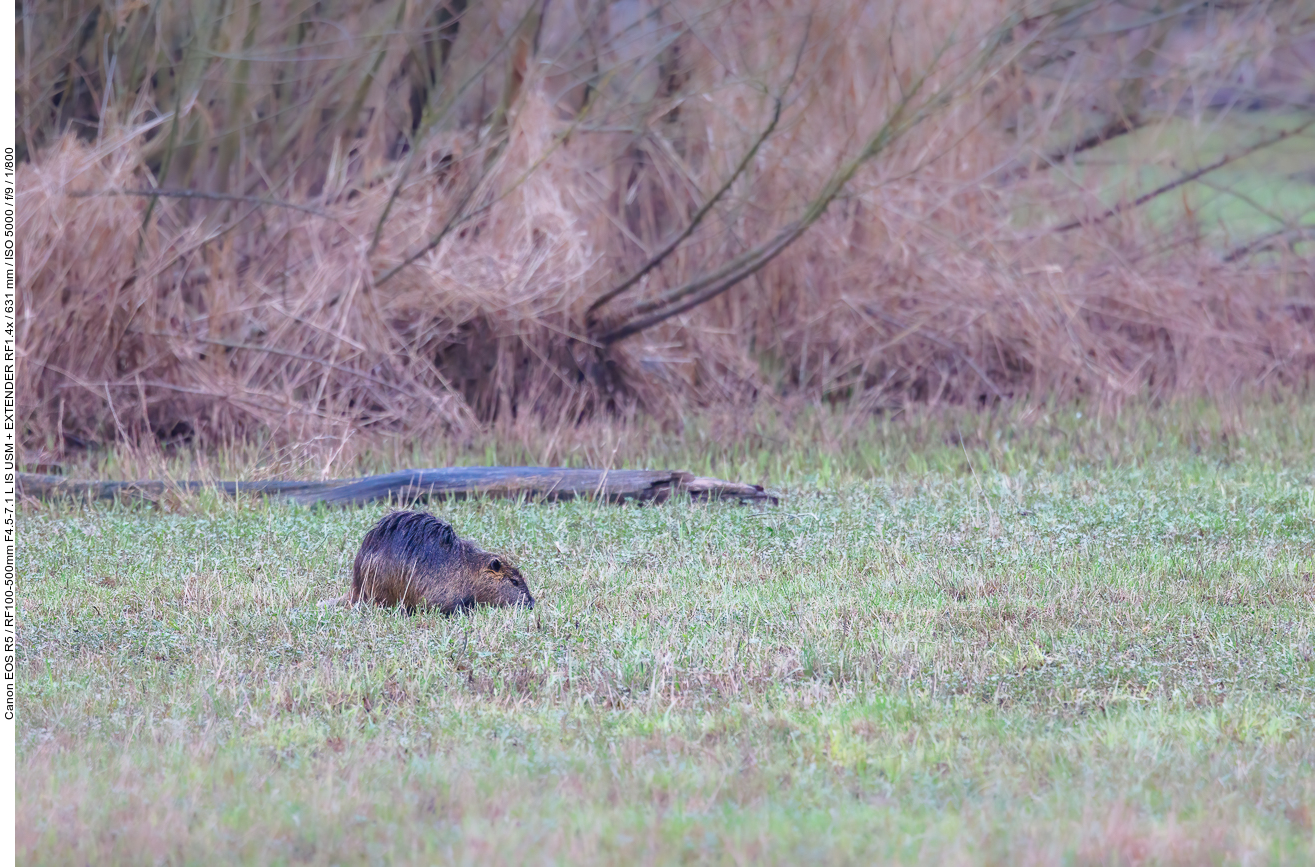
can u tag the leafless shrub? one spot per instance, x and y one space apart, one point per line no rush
407 218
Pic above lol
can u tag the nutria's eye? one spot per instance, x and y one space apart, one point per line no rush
495 564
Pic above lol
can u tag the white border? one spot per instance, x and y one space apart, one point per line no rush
8 445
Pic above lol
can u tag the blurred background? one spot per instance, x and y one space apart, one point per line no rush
323 220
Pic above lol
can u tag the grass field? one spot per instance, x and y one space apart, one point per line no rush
1076 641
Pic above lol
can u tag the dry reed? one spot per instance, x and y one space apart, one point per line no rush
393 218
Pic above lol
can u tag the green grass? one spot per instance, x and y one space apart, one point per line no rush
1268 190
1074 641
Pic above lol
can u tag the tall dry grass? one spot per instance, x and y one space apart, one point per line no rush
394 218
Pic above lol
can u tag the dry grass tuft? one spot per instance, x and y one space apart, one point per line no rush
400 214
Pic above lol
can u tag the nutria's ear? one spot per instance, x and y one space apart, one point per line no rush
495 564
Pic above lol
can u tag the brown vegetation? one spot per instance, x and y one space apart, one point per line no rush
405 217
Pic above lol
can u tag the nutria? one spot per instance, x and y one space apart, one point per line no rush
415 560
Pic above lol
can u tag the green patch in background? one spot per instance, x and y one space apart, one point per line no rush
1266 191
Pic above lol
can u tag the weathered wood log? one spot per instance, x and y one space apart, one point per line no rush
408 486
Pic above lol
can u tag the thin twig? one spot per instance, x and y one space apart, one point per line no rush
1266 241
273 350
1185 179
945 344
433 122
743 267
694 222
716 197
459 218
1112 130
707 287
197 194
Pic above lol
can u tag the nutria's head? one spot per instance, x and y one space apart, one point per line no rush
504 583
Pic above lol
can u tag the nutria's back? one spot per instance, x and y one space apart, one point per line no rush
415 560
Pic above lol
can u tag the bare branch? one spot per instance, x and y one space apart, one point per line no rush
477 75
702 212
709 286
274 350
1186 179
944 344
1269 239
215 197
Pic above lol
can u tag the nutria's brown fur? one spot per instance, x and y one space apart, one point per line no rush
415 560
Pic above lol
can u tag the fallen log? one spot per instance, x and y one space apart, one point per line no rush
408 486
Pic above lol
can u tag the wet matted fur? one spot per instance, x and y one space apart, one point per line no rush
415 560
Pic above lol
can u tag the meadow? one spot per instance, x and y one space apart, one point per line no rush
1035 638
